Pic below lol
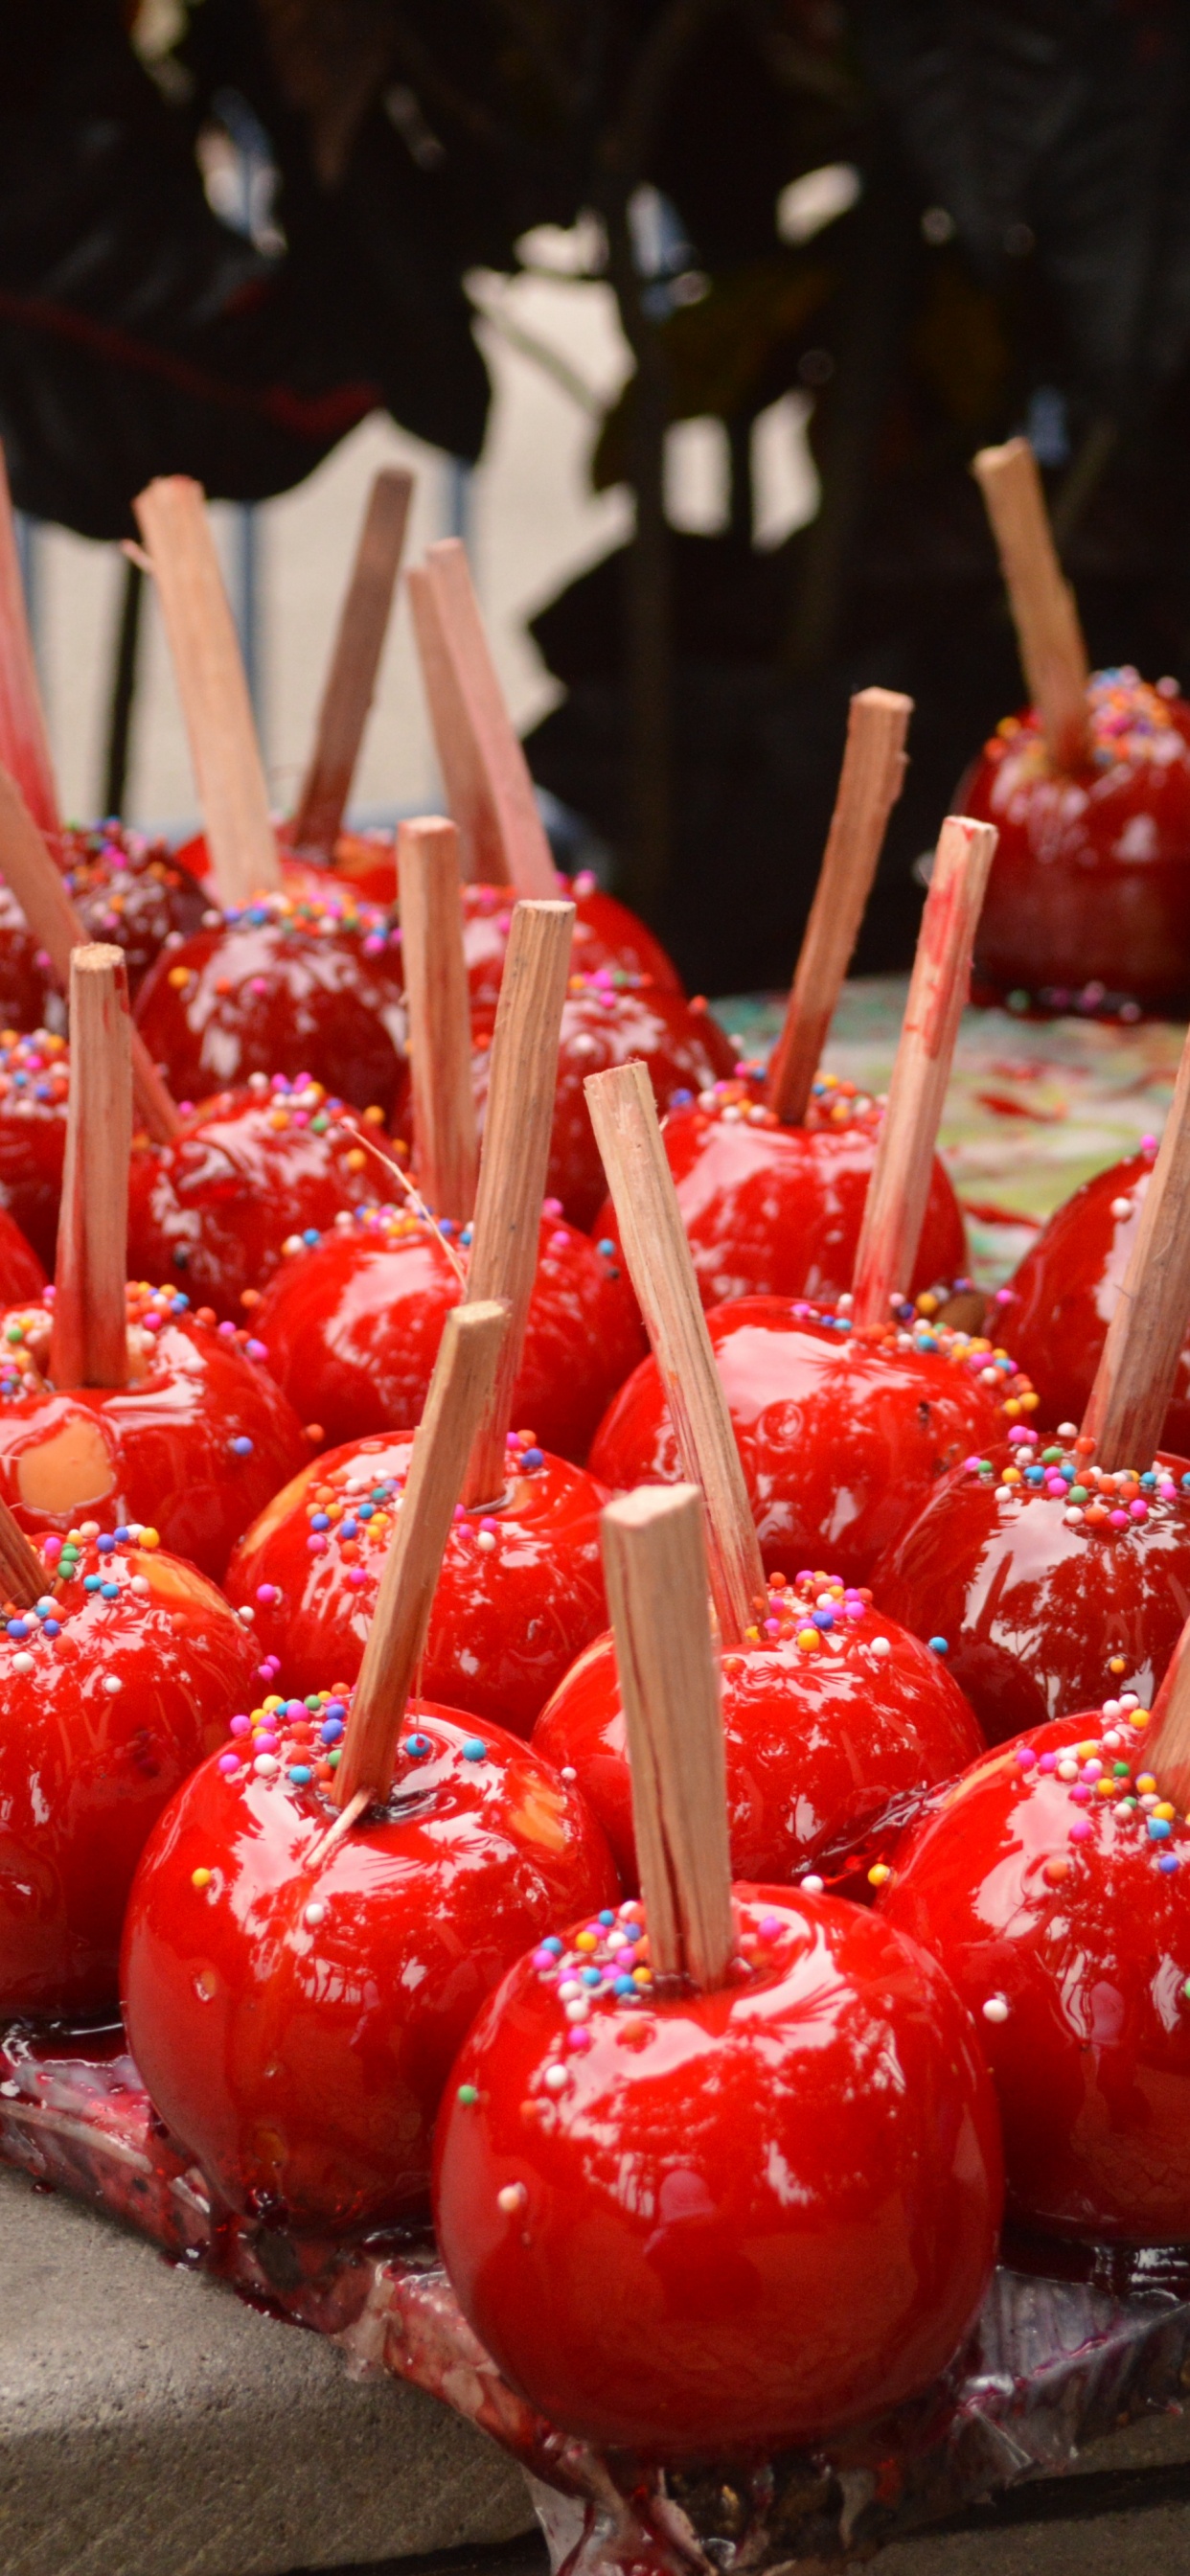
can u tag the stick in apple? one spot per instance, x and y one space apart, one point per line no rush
869 784
24 1580
894 1211
488 786
445 1150
624 1117
171 513
1167 1735
1139 1361
1050 639
460 1389
655 1565
89 1343
351 679
37 883
24 741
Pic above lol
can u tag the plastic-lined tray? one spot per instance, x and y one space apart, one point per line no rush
1070 2343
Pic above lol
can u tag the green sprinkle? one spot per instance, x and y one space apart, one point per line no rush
1120 1771
469 2093
1048 1455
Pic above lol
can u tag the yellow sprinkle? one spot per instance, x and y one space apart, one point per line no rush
1110 1789
1165 1811
200 1877
356 1159
1012 1408
878 1872
806 1639
150 1538
1140 1718
179 975
373 1117
1118 1664
1029 1403
585 1941
1145 1783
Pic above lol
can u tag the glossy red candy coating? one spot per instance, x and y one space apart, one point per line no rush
776 1211
30 995
353 1327
21 1273
747 2218
519 1595
1036 1892
1091 878
1035 1609
302 2061
112 1713
34 1088
1057 1306
249 1170
131 892
602 1025
606 934
281 992
822 1740
161 1450
842 1437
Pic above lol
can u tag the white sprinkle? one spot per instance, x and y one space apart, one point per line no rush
995 2009
882 1645
88 1529
1073 1515
568 1771
112 1684
1068 1431
812 1886
1113 1707
579 2010
265 1765
556 2079
1121 1207
512 2199
139 1583
247 1612
569 1990
1067 1770
1128 1699
22 1663
315 1912
485 1542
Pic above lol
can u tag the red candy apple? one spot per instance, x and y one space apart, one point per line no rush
834 1719
1053 1886
125 1673
21 1273
842 1435
34 1088
287 984
606 936
193 1444
520 1591
1057 1306
30 994
249 1172
353 1323
132 891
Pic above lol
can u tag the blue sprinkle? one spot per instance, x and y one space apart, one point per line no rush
417 1747
348 1529
52 1628
90 1583
823 1618
336 1708
625 1986
465 1236
1159 1829
607 1919
606 1247
180 1302
939 1646
632 1931
332 1730
364 1511
16 1628
552 1944
1035 1475
104 1546
120 1539
474 1749
1167 1861
310 1234
241 1447
109 1591
319 1521
532 1459
677 1100
300 1774
592 1976
446 1225
1149 1481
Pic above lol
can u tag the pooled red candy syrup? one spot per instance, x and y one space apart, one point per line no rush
34 1089
606 936
1057 1306
122 1678
193 1446
835 1721
691 2223
353 1324
295 2014
132 892
519 1595
606 1021
250 1171
775 1211
1042 1574
1053 1886
1090 884
843 1435
286 984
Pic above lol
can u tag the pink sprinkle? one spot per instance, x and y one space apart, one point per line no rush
267 1592
228 1764
356 1577
1048 1762
1080 1795
1117 1520
316 1543
578 2036
772 1627
240 1726
769 1926
551 1207
1080 1831
1026 1756
1168 1491
1138 1511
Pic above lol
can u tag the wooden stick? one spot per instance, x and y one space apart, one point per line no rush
655 1564
460 1389
515 1156
900 1185
1053 654
1166 1740
869 785
24 741
1139 1360
172 517
445 1147
23 1577
624 1117
351 679
89 1342
36 882
485 773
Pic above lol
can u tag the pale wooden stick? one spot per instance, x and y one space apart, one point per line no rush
624 1117
1139 1360
36 882
1053 654
895 1209
172 517
89 1342
23 1577
459 1390
1166 1739
445 1148
24 741
351 679
515 1156
485 773
869 785
655 1565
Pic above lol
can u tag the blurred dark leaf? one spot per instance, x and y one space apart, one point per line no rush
720 350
